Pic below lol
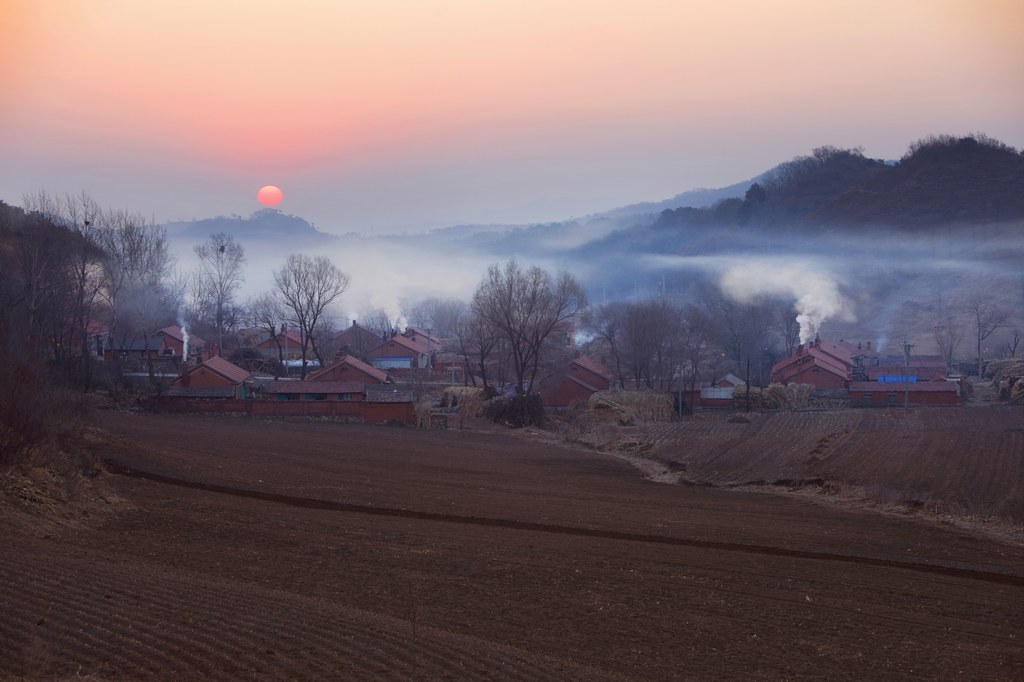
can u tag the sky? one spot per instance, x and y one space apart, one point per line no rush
401 115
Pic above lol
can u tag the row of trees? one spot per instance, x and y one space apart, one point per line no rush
974 319
69 263
71 267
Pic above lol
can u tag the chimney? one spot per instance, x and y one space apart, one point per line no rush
800 349
869 345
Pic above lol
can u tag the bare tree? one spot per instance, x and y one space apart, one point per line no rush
137 279
696 332
219 276
306 286
783 318
949 334
378 320
1014 343
525 307
606 324
265 313
136 256
986 317
80 271
442 316
742 330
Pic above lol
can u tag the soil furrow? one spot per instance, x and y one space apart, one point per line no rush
326 505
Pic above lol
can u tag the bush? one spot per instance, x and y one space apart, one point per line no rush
517 411
34 410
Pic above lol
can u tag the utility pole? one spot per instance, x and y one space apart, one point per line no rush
906 373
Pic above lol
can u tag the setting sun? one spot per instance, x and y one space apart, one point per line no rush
270 195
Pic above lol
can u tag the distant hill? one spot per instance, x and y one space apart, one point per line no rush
941 180
263 225
695 198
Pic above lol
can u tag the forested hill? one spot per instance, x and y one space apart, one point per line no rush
266 225
940 181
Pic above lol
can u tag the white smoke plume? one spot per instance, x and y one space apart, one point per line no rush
816 294
184 341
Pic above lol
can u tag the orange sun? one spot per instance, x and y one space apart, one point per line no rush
270 195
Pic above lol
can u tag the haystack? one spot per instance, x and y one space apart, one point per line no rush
631 407
759 399
788 396
468 399
1008 378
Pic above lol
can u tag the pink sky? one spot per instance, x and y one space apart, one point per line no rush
384 115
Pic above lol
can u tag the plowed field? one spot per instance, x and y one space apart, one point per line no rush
285 550
956 461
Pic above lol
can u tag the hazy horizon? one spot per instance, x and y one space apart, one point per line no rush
417 115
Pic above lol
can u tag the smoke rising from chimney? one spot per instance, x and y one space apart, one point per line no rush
816 294
184 341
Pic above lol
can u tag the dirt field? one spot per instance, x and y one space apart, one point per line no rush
235 549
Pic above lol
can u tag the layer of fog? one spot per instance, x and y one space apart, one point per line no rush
878 286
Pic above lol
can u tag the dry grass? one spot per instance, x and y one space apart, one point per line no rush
468 399
55 485
628 408
881 499
1008 378
775 397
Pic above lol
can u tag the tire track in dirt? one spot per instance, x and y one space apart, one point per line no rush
116 467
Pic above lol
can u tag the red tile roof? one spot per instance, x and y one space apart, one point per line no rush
811 357
352 362
419 346
285 386
594 365
177 333
914 386
224 368
292 336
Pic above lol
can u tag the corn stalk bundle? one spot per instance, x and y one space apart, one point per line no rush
423 409
789 396
632 407
759 398
469 400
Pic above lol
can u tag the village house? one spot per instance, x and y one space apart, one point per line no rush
214 377
919 368
315 390
730 380
583 377
287 344
172 343
134 348
349 368
356 340
401 352
893 394
824 365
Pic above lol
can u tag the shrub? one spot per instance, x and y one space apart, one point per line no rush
517 411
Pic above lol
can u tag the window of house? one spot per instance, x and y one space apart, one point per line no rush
344 396
867 398
287 396
316 396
